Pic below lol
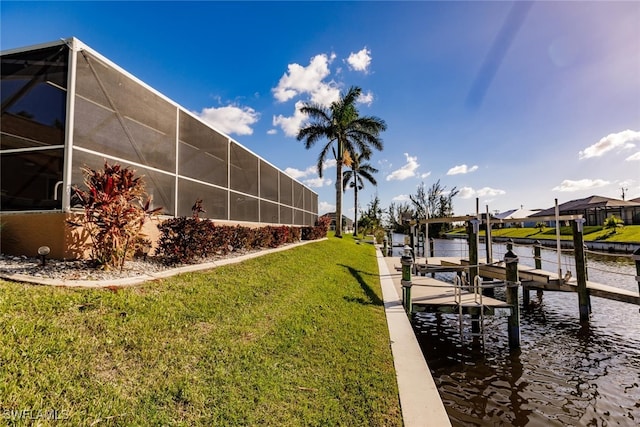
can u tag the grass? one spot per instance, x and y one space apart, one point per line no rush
292 338
626 234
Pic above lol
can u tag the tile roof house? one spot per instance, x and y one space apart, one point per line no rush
596 209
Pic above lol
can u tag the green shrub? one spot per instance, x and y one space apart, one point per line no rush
613 222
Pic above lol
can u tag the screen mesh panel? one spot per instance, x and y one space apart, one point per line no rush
34 97
269 212
118 117
98 129
286 188
298 195
268 182
157 185
115 114
29 180
308 199
203 152
309 219
214 200
286 215
244 170
243 208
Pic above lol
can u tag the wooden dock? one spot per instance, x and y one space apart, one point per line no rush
531 278
436 296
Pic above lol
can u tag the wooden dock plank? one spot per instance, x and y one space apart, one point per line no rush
429 294
534 279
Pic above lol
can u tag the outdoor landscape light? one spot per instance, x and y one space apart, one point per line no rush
43 251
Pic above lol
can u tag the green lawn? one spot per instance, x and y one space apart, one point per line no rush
291 338
626 234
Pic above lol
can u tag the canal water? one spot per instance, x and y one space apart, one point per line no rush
564 374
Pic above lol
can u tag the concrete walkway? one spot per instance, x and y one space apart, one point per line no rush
419 398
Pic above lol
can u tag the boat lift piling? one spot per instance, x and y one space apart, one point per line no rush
512 283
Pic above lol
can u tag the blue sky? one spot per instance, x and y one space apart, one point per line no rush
512 104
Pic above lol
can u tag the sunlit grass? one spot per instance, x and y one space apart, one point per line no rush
628 233
291 338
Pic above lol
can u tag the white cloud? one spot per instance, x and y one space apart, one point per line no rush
425 175
488 191
406 171
360 61
272 131
634 157
317 182
324 207
329 163
366 98
310 79
583 184
610 142
466 193
291 125
461 169
297 173
325 94
231 119
401 198
310 176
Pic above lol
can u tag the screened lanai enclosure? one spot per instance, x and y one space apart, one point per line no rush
64 106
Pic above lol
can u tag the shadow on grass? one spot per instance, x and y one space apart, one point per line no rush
373 298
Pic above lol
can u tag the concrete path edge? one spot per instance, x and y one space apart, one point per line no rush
420 401
136 280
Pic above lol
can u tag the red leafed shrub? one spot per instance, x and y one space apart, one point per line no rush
186 240
319 231
115 208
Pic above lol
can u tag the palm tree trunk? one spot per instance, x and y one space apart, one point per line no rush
355 215
339 197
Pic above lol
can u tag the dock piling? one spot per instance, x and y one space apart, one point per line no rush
406 260
513 325
636 257
584 303
473 230
537 256
385 242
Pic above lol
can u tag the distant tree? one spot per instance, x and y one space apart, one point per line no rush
436 202
353 178
346 132
395 214
372 216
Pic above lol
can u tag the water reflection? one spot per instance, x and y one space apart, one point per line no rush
565 373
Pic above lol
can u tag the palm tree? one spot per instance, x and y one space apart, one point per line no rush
340 123
353 179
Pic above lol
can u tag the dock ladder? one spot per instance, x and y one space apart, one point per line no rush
477 323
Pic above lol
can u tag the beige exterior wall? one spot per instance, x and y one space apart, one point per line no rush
22 233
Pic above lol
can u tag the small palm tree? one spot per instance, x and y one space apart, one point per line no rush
346 132
353 178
